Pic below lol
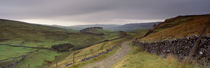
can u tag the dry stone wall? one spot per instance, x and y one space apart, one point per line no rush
179 48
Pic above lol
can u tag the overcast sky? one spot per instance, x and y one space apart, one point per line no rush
81 12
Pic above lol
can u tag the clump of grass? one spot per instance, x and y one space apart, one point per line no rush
138 58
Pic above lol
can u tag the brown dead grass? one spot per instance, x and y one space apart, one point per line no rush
191 27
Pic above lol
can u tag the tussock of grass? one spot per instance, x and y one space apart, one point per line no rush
138 58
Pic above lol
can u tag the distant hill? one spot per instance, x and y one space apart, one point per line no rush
113 27
80 27
136 26
178 27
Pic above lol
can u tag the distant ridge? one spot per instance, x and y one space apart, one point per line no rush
114 27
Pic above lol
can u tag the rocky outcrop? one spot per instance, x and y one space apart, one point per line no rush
179 48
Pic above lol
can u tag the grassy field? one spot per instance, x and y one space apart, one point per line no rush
138 58
90 51
35 59
38 59
8 51
41 58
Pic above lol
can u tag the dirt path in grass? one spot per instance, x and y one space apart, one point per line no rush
108 62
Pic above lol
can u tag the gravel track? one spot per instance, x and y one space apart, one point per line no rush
108 62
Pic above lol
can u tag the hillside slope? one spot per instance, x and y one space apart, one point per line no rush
136 26
29 32
178 27
15 32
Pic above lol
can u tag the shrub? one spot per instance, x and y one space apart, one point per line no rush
62 47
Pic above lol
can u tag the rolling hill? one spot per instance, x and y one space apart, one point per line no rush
15 32
11 30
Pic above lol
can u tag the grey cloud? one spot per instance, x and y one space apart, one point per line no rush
100 10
